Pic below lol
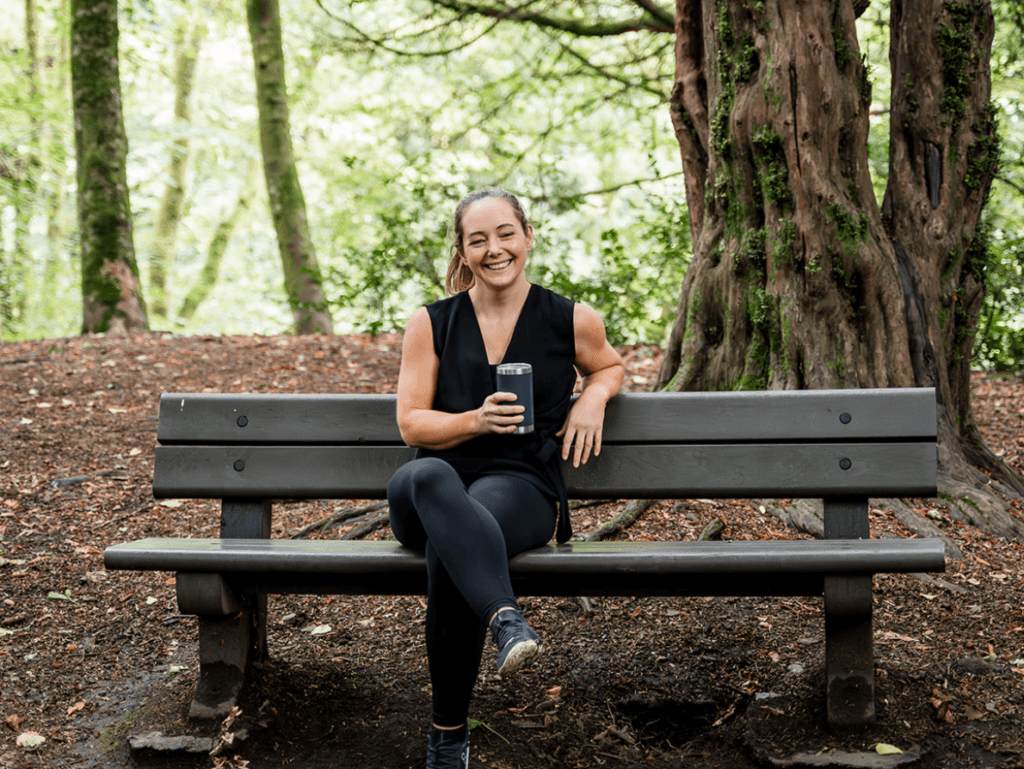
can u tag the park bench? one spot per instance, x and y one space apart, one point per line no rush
843 446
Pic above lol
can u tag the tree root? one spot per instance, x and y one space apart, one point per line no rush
807 515
634 509
971 495
336 519
368 526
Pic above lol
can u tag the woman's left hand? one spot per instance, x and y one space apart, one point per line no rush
583 427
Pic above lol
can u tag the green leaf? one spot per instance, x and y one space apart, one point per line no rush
472 723
65 596
884 749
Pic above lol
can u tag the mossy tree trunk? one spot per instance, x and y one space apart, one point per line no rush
302 278
943 157
798 279
187 39
111 294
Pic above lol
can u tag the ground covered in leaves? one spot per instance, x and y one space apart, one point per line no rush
90 660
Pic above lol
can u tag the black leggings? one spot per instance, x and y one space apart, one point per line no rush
468 535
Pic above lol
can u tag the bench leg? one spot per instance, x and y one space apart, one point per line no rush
849 652
223 661
250 520
849 642
228 645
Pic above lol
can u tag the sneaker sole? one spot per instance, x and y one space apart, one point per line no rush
519 656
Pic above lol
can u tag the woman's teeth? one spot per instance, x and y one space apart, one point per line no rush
496 267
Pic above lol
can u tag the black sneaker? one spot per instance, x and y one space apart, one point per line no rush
448 749
517 644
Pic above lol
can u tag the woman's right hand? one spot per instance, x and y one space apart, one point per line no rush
497 415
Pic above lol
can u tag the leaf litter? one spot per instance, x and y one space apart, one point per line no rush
716 683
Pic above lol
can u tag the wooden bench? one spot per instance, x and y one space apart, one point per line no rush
843 446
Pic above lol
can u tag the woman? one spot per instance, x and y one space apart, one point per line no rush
477 492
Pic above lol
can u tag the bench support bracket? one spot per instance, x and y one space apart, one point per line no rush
230 643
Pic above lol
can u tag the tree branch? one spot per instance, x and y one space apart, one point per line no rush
378 42
643 23
604 191
1010 183
664 15
605 73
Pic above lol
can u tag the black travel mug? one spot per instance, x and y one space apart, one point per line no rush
518 378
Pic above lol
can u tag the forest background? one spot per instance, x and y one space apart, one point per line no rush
396 111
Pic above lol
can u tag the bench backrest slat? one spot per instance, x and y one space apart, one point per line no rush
663 471
727 417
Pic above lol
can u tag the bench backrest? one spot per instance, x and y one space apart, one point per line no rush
819 443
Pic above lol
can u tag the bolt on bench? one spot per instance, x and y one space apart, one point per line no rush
840 445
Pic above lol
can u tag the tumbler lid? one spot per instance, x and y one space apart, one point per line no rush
515 368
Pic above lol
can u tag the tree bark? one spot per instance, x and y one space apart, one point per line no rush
302 278
111 294
796 281
187 38
943 156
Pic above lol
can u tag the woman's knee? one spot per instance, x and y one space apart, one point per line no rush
411 474
404 489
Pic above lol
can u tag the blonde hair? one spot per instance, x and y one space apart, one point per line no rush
460 277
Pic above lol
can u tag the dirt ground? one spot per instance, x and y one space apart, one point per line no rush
91 659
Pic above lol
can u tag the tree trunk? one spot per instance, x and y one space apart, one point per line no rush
215 252
187 37
943 156
111 294
302 279
796 282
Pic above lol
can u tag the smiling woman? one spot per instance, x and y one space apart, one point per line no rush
477 492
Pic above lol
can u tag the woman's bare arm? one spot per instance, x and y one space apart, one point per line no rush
420 424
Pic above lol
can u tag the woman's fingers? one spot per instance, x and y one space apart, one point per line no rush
499 415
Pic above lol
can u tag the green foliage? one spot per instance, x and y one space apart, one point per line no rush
983 156
851 231
374 289
958 43
842 50
635 283
784 242
773 173
999 342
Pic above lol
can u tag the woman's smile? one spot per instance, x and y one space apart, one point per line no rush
498 266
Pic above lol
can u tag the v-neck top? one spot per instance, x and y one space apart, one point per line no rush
544 337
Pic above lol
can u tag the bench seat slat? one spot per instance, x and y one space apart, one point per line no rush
700 417
780 567
716 470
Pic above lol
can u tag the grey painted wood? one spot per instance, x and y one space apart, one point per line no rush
716 470
631 417
287 418
778 567
319 556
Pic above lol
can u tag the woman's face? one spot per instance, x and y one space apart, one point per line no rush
494 245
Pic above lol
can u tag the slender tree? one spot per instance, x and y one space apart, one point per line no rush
302 278
187 40
111 294
208 275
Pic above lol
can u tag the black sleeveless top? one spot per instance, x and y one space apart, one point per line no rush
544 337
